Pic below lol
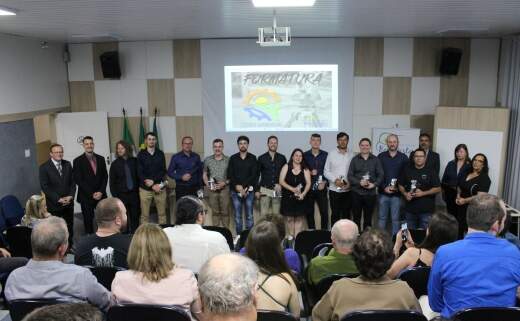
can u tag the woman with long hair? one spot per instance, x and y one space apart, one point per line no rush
457 168
442 229
152 277
35 210
295 179
277 284
475 182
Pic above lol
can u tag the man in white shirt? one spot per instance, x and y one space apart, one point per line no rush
192 245
335 171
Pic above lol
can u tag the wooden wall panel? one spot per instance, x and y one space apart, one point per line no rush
454 89
368 59
191 126
161 95
396 95
424 122
82 96
186 58
426 57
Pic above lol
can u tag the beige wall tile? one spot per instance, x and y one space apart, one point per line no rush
191 126
186 58
424 122
368 60
98 49
42 151
82 96
426 57
161 96
396 95
115 129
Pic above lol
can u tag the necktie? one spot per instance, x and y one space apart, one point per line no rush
129 182
60 170
92 161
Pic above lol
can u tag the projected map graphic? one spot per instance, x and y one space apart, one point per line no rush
281 97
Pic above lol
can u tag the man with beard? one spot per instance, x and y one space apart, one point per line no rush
393 162
269 166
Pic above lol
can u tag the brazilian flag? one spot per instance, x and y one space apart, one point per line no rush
141 132
155 132
127 135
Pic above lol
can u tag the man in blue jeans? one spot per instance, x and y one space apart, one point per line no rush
243 178
393 162
419 184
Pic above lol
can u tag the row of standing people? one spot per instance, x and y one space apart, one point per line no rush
350 183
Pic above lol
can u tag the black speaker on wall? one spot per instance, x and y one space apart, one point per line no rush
450 61
110 65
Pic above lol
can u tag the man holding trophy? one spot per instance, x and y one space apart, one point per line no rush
365 173
214 176
419 184
393 162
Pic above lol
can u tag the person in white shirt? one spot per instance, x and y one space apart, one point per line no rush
335 171
192 245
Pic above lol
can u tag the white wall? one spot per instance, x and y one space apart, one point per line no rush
31 78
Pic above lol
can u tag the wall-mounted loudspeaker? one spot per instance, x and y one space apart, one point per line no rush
110 65
450 61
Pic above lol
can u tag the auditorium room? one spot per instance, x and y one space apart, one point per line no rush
270 160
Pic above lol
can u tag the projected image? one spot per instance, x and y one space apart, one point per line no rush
281 97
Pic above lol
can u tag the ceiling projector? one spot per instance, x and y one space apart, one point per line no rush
274 36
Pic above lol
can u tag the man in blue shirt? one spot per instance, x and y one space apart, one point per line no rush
186 168
315 158
479 271
393 162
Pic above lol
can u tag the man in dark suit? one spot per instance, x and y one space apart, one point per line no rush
58 185
90 174
433 159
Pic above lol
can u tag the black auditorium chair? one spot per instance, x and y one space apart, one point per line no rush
417 279
488 314
145 312
306 241
321 250
266 315
105 274
384 315
18 309
225 232
19 240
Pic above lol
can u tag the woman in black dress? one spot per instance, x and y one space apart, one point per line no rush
455 170
475 182
124 184
295 179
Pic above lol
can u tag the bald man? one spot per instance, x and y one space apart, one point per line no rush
227 287
339 260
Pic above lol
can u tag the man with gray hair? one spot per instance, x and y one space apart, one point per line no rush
339 260
480 270
46 277
227 287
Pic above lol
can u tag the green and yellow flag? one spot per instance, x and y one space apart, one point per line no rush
127 135
141 132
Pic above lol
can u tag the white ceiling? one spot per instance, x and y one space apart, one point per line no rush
77 20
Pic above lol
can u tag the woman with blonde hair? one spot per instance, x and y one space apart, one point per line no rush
152 277
35 210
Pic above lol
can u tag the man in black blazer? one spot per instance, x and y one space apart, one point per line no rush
90 174
433 159
58 185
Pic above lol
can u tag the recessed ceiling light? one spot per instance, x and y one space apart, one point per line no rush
7 12
283 3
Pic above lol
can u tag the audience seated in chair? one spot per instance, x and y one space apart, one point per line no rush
153 278
442 229
292 258
480 270
277 284
46 276
339 260
373 256
191 244
35 210
107 247
228 288
66 312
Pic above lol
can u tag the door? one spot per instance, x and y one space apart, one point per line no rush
72 127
